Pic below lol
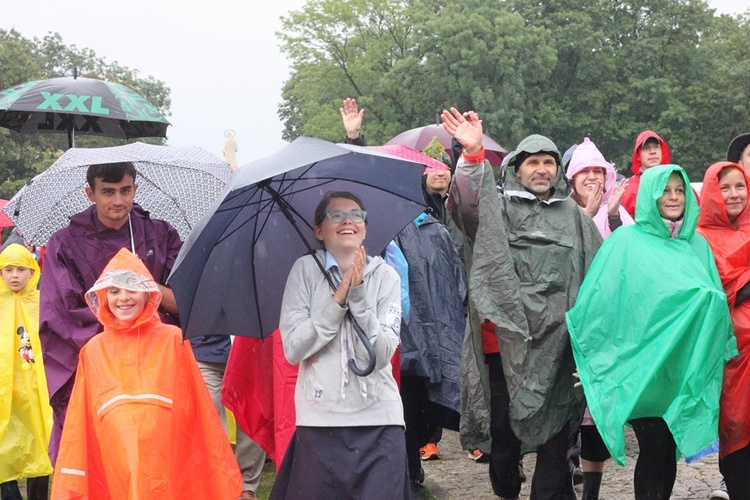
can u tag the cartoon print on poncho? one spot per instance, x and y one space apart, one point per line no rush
25 413
141 423
650 330
730 243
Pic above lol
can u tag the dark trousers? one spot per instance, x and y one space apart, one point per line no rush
656 468
551 472
37 488
735 468
422 418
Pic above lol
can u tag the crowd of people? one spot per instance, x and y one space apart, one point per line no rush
538 308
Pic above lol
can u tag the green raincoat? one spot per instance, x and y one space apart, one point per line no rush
651 330
527 259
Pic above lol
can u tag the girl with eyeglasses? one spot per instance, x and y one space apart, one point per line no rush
349 441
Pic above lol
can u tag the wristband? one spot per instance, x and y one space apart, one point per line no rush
477 157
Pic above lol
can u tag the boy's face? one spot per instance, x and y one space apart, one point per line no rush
126 305
17 277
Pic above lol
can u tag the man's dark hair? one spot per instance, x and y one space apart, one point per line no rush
109 172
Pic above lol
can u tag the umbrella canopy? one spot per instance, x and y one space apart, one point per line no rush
175 184
230 275
4 220
418 138
80 106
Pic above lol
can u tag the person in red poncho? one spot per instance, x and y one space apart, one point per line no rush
725 223
140 423
650 151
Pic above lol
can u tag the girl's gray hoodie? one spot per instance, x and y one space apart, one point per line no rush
317 335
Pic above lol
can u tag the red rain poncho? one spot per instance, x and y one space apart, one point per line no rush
731 247
141 423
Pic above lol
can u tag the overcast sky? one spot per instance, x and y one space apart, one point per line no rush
221 60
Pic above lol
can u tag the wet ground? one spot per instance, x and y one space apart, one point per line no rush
454 476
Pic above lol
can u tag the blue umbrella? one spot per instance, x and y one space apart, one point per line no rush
230 275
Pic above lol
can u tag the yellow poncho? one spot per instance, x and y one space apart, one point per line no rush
25 413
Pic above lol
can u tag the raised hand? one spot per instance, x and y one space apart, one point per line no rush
613 204
352 118
466 128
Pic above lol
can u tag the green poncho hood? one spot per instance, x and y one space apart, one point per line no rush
652 186
651 330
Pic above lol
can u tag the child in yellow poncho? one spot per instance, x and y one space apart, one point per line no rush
25 414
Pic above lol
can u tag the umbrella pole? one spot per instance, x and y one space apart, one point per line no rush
360 333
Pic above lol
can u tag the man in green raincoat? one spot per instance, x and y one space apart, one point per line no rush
530 248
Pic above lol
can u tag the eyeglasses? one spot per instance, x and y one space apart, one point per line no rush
338 216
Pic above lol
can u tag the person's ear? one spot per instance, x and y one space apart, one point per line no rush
135 188
90 194
318 233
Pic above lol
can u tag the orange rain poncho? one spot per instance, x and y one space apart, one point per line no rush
141 423
730 243
25 413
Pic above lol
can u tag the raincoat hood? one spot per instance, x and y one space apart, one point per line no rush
18 255
534 144
647 215
126 271
586 155
666 157
713 214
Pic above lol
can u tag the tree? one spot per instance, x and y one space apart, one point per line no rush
606 69
24 155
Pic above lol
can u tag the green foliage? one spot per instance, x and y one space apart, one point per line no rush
24 155
606 69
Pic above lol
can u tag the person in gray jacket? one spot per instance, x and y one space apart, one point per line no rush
349 441
530 249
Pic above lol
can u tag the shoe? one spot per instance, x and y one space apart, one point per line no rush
429 452
418 491
720 492
479 457
248 495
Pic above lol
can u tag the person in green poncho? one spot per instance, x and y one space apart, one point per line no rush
651 333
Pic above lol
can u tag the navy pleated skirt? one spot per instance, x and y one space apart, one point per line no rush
344 463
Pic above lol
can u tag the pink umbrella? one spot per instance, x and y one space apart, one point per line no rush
412 154
419 137
4 220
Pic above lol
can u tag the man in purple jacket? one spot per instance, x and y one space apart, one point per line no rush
74 259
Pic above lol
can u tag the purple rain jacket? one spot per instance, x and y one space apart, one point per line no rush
75 257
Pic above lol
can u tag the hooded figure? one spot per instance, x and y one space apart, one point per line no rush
586 155
629 198
650 329
140 423
25 413
730 242
527 259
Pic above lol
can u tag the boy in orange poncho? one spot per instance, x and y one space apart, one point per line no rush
141 423
25 413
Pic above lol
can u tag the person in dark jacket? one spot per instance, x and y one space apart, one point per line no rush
431 337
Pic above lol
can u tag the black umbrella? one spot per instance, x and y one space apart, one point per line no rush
80 106
230 275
